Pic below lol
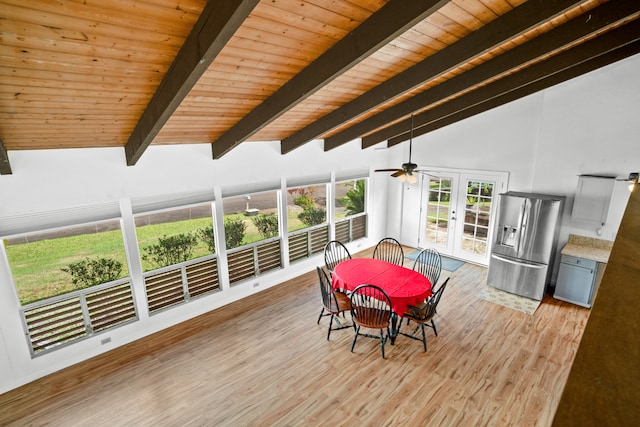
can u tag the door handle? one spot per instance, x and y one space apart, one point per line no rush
515 262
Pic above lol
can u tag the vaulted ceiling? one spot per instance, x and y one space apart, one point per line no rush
122 73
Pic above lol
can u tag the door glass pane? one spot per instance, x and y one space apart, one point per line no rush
438 211
479 197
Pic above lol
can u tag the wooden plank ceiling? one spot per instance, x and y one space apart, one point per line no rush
121 73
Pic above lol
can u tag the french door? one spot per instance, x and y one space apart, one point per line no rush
457 213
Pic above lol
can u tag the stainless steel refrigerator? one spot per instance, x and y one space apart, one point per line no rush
524 243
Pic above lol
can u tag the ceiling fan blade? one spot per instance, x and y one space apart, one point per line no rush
388 170
398 173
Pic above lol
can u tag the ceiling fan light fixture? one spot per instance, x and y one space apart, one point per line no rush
633 180
406 172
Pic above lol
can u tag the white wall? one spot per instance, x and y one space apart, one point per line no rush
53 179
589 125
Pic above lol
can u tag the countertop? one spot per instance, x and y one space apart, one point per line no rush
588 248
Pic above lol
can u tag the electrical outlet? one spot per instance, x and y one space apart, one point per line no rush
105 340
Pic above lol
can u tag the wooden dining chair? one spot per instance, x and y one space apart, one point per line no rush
371 309
390 250
333 302
423 314
334 253
429 263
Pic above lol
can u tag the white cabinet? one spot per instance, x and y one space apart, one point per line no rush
578 280
593 197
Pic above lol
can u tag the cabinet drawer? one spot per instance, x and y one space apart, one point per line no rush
577 261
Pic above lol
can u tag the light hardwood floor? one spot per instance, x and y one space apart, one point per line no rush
263 361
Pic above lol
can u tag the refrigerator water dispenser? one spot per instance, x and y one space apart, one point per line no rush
508 237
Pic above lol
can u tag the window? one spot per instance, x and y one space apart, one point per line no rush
350 203
252 235
72 283
307 221
51 263
174 236
177 251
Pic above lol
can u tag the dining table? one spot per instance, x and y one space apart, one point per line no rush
404 286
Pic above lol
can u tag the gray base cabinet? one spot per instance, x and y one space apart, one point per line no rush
577 280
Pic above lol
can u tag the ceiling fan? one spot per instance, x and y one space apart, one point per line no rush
406 172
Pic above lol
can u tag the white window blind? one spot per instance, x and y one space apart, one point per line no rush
304 181
352 174
256 187
39 221
166 201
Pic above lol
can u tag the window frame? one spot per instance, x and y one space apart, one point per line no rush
171 285
309 240
253 259
211 205
351 227
88 311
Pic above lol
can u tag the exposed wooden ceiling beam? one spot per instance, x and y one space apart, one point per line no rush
217 23
614 46
5 166
554 39
495 33
554 79
393 19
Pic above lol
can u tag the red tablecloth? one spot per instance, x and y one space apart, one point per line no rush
404 286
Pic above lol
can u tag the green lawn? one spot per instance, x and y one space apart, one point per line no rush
36 267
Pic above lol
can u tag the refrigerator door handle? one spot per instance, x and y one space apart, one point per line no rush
520 234
512 261
524 219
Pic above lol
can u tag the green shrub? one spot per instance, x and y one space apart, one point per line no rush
312 216
91 272
206 235
305 202
234 230
171 250
354 200
267 225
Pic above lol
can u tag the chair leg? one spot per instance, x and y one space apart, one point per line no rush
433 325
355 337
320 317
330 325
424 338
382 340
